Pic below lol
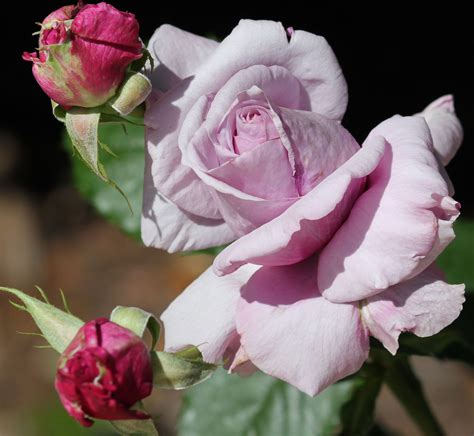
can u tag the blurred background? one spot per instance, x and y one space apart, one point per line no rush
395 61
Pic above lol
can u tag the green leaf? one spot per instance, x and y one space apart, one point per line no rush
180 370
57 327
358 412
137 320
127 170
260 405
457 261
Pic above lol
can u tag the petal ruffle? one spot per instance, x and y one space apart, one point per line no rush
398 226
423 305
177 55
445 128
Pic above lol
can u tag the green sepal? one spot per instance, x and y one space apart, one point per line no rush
59 112
57 326
137 320
180 370
132 93
82 127
144 427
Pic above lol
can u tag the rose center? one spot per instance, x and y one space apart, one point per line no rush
253 126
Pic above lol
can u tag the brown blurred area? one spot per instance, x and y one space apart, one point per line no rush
56 241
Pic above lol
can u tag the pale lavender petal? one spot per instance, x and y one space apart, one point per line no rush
306 56
177 55
398 226
423 305
164 225
445 128
204 314
175 181
319 145
288 330
306 226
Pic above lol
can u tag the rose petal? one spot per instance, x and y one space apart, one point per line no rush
164 225
398 226
204 314
263 172
289 331
175 181
423 305
177 54
445 128
277 84
307 225
320 145
99 23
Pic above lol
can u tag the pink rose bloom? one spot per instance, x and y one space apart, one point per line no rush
238 131
103 372
84 52
333 242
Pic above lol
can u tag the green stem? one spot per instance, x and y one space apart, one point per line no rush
405 385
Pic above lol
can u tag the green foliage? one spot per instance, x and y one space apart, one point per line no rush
126 168
260 405
457 261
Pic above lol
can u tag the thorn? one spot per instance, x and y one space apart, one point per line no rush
45 298
63 297
18 306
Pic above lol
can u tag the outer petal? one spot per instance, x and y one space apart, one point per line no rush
204 314
423 305
166 226
445 128
307 225
398 226
308 57
289 331
177 182
178 54
99 23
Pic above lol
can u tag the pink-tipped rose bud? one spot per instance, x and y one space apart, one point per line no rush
84 52
103 372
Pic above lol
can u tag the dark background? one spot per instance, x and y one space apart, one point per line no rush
395 60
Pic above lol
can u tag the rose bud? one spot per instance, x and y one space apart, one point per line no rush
103 372
84 52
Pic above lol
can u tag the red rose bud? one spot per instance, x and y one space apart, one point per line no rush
103 372
84 52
